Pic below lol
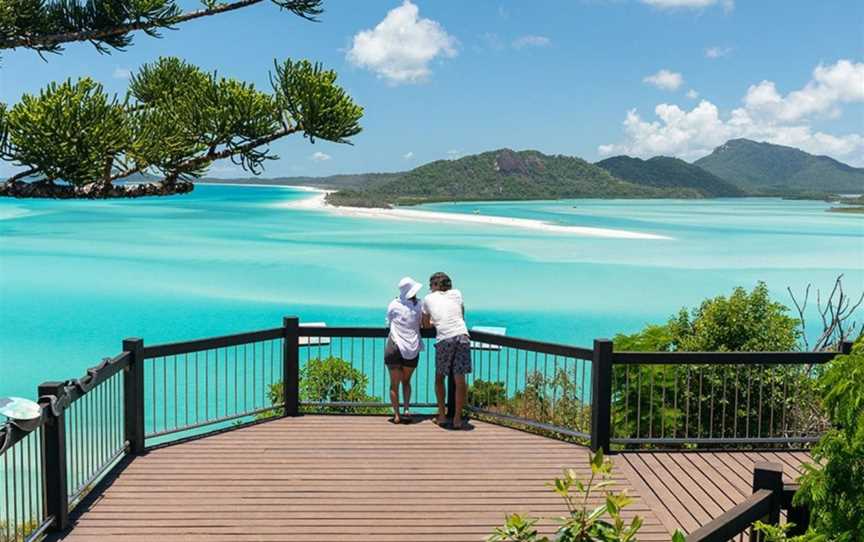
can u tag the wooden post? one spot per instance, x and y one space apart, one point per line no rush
291 366
54 447
133 395
846 347
800 517
601 395
769 476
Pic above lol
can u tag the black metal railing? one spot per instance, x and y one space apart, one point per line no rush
716 398
153 395
770 502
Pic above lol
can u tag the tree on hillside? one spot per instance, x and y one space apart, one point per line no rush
45 25
175 121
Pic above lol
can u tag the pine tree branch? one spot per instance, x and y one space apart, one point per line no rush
22 174
49 41
193 163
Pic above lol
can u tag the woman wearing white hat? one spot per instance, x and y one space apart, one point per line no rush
403 344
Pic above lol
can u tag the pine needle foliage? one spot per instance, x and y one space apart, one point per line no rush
175 120
45 26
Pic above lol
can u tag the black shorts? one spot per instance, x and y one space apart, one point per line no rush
393 357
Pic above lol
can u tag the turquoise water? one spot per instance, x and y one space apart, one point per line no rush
78 276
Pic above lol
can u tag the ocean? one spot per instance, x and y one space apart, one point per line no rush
76 277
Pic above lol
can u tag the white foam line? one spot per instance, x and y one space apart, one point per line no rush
318 203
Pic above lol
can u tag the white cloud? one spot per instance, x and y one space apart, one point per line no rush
717 52
728 5
121 73
531 41
766 115
692 94
408 155
319 156
453 154
401 47
665 80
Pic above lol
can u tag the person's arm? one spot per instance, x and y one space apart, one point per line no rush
425 320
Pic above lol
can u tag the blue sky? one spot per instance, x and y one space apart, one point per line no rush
589 78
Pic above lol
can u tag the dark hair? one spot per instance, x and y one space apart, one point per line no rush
440 281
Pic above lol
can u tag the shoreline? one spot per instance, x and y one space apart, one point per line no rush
317 203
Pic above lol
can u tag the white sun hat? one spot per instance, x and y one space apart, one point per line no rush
408 288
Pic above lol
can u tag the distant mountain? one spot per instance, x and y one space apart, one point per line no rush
764 168
666 172
503 175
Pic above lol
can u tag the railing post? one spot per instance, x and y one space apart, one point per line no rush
133 395
769 476
291 365
800 517
846 347
601 395
56 490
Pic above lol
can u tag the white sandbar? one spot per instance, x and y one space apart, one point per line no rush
318 203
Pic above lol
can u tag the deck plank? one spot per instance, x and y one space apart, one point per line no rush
360 478
339 477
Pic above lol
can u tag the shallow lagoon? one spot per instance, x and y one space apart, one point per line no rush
78 276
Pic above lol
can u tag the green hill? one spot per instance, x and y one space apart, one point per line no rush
666 172
502 175
764 168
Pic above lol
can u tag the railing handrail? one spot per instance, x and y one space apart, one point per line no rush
722 358
736 520
207 343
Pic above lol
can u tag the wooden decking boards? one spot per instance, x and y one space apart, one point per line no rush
687 487
363 479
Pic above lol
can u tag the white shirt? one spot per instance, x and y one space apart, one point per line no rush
445 313
403 317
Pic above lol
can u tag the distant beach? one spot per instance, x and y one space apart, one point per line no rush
318 202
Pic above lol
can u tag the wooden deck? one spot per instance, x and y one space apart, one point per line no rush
688 489
363 479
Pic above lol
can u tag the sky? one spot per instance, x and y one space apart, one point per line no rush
589 78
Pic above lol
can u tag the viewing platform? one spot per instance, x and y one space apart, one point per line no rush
281 434
361 478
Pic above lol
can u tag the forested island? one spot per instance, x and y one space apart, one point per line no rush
736 169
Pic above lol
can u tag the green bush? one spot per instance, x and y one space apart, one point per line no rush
833 488
482 394
329 380
556 401
720 400
600 524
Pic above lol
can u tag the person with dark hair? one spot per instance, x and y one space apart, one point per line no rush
403 347
443 308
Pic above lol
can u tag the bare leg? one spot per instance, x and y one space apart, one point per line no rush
439 396
461 389
406 390
395 378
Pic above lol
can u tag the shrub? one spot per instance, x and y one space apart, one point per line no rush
329 380
716 399
600 524
833 488
556 401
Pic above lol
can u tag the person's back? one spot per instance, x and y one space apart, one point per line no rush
445 310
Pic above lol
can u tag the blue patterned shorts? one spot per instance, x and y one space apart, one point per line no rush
453 354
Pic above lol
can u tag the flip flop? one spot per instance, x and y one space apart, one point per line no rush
393 421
